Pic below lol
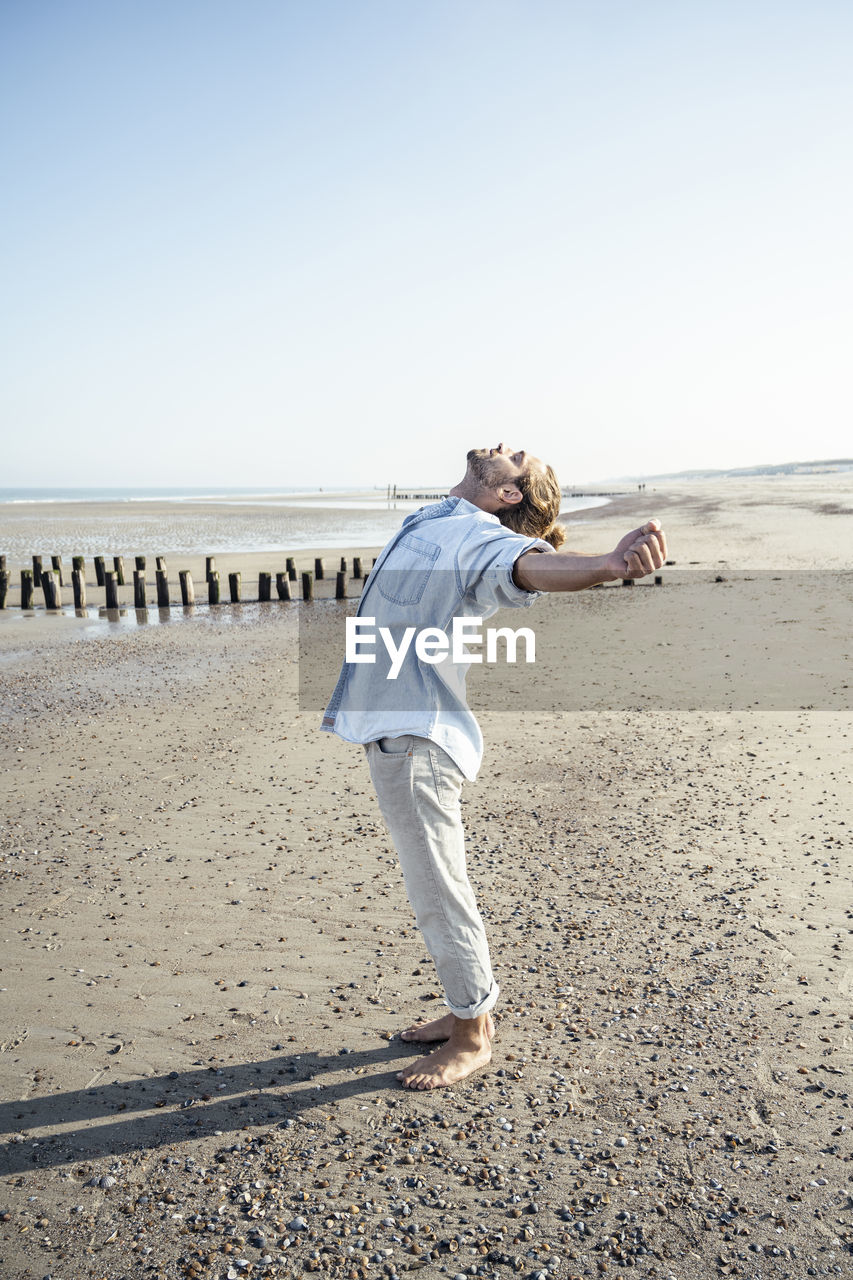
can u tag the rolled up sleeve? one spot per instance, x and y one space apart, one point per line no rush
485 564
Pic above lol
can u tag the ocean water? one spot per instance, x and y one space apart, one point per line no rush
208 522
24 496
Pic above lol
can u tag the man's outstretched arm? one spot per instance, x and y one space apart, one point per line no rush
640 552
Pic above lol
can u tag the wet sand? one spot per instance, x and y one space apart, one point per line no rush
208 951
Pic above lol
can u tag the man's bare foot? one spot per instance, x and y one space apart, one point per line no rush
439 1029
468 1048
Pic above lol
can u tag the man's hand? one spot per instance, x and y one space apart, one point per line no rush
640 552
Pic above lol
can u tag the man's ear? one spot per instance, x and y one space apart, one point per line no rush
510 495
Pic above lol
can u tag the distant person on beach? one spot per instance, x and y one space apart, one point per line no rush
492 543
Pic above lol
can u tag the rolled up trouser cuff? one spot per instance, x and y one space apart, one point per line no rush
477 1010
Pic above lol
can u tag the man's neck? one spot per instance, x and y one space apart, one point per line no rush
475 494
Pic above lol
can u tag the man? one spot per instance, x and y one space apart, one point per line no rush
492 543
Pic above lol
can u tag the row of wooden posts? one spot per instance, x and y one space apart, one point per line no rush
51 580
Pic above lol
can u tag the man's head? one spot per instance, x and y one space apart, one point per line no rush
522 491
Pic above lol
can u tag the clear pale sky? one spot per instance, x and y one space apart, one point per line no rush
342 241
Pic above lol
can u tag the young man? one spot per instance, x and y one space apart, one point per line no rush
492 543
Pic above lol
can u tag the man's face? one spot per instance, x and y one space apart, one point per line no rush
493 468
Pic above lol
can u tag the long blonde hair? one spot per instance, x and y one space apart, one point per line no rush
536 515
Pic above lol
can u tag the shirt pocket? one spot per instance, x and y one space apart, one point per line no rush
406 584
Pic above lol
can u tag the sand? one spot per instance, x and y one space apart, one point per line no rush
207 949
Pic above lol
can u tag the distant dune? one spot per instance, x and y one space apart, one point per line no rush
820 467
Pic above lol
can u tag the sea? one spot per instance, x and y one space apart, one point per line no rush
201 521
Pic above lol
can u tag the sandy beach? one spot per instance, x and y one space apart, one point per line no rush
207 950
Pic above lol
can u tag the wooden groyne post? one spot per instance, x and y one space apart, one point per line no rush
118 566
307 585
50 587
235 582
139 586
4 587
26 588
111 588
162 586
187 589
264 587
56 561
213 587
282 585
78 582
99 570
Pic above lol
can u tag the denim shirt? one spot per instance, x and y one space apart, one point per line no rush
448 560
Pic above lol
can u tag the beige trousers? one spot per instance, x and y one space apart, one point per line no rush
418 788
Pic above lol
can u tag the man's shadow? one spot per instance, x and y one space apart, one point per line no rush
185 1105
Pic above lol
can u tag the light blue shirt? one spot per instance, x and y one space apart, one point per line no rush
449 560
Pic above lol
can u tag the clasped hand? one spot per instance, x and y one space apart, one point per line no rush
640 552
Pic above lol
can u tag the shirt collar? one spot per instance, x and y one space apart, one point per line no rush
449 507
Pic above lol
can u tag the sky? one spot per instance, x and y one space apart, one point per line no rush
341 242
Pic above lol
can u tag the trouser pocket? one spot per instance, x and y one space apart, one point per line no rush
447 778
401 746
